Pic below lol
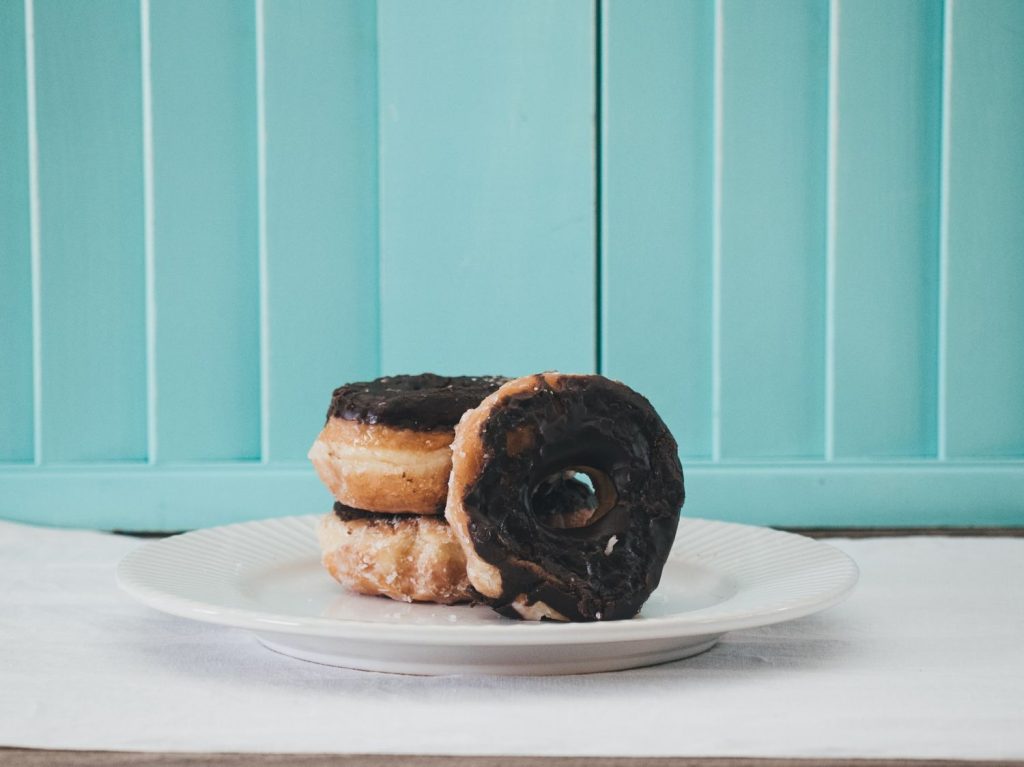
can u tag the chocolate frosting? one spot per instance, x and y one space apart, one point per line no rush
602 571
349 514
424 402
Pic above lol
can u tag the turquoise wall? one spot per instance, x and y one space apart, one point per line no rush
796 225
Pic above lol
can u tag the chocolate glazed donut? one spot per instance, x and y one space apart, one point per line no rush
539 430
385 444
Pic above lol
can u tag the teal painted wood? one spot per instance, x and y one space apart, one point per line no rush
16 380
487 193
205 230
875 494
790 494
487 186
886 248
89 120
656 181
773 82
321 210
984 275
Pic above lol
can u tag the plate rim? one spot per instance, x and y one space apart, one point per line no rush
511 633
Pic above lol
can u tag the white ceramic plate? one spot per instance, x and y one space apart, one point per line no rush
265 576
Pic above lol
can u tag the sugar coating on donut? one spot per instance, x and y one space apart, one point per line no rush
407 558
383 469
586 564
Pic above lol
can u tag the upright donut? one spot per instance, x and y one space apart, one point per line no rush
385 445
535 432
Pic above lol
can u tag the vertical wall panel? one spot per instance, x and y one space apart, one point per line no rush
16 414
656 217
773 144
487 186
321 108
985 247
886 239
809 212
206 229
91 240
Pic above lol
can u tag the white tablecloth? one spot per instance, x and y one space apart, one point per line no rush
926 659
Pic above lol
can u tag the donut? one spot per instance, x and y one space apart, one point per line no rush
532 434
385 446
407 557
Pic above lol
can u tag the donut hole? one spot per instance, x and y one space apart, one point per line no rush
573 498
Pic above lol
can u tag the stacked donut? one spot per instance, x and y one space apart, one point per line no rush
455 489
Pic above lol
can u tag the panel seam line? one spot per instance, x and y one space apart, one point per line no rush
35 247
149 231
262 250
831 182
598 188
716 235
379 191
942 310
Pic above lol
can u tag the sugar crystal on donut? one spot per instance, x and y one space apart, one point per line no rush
406 557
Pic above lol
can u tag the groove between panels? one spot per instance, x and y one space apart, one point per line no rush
942 341
261 176
34 233
716 236
149 233
599 118
830 229
378 129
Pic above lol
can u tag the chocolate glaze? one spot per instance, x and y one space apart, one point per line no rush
424 402
581 421
349 513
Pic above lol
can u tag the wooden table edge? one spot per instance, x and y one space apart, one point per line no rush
29 757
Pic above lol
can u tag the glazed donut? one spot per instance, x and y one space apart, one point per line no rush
385 445
407 557
531 433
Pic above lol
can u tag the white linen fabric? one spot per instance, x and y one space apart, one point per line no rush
925 659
